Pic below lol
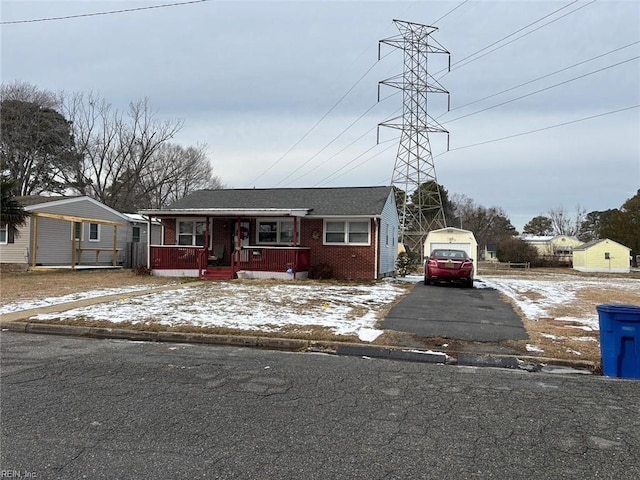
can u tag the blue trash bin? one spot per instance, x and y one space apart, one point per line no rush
620 340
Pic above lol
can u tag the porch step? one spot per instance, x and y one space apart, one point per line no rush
217 273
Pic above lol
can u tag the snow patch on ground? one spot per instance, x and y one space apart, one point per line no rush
343 309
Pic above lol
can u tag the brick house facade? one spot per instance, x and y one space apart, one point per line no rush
351 232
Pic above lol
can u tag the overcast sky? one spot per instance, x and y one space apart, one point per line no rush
252 79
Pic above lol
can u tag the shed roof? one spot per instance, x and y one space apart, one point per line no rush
334 201
590 244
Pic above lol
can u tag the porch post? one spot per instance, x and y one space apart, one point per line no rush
295 246
235 263
149 241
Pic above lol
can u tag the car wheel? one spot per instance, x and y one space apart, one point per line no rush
470 283
427 281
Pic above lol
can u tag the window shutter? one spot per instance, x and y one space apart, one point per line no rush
11 235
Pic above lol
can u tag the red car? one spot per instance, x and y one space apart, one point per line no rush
446 264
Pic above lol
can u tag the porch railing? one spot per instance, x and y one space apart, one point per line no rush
175 257
255 258
274 259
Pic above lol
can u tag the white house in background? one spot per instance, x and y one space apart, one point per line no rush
71 232
602 256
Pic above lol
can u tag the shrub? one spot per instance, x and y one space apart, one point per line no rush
407 263
141 270
516 250
321 271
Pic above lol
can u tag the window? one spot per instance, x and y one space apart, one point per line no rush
4 234
135 235
275 231
191 233
349 232
94 232
76 230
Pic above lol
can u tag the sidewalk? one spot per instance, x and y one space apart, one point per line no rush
85 302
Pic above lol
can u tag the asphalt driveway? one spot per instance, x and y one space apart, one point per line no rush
451 311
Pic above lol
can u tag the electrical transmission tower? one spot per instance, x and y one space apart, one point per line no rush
414 172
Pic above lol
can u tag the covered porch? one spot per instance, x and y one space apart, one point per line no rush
224 244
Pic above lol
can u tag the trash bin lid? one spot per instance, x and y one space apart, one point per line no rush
619 308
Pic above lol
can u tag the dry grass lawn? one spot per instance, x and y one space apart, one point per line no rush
16 287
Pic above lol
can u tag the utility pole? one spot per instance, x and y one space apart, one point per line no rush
414 172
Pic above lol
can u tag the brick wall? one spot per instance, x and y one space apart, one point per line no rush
347 262
169 225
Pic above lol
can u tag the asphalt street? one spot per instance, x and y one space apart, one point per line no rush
77 408
452 311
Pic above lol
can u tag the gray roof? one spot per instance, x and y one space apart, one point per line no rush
29 200
336 201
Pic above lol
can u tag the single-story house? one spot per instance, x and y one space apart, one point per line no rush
344 233
558 248
602 255
451 237
71 231
488 253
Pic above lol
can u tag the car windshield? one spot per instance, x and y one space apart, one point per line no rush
448 254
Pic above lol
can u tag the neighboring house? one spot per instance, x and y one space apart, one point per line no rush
451 237
346 233
558 248
67 232
602 256
136 252
489 253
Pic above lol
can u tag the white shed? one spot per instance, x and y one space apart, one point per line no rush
452 237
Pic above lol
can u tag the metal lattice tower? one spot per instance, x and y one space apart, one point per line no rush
414 164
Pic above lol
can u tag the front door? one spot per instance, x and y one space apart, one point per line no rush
242 241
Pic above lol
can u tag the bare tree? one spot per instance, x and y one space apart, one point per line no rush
117 149
177 171
487 224
564 224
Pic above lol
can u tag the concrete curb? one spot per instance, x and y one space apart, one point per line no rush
528 363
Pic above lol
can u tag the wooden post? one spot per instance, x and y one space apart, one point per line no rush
73 243
114 260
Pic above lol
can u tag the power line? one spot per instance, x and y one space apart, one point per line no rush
544 89
317 123
570 122
110 12
335 175
515 39
333 140
540 78
450 12
544 128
